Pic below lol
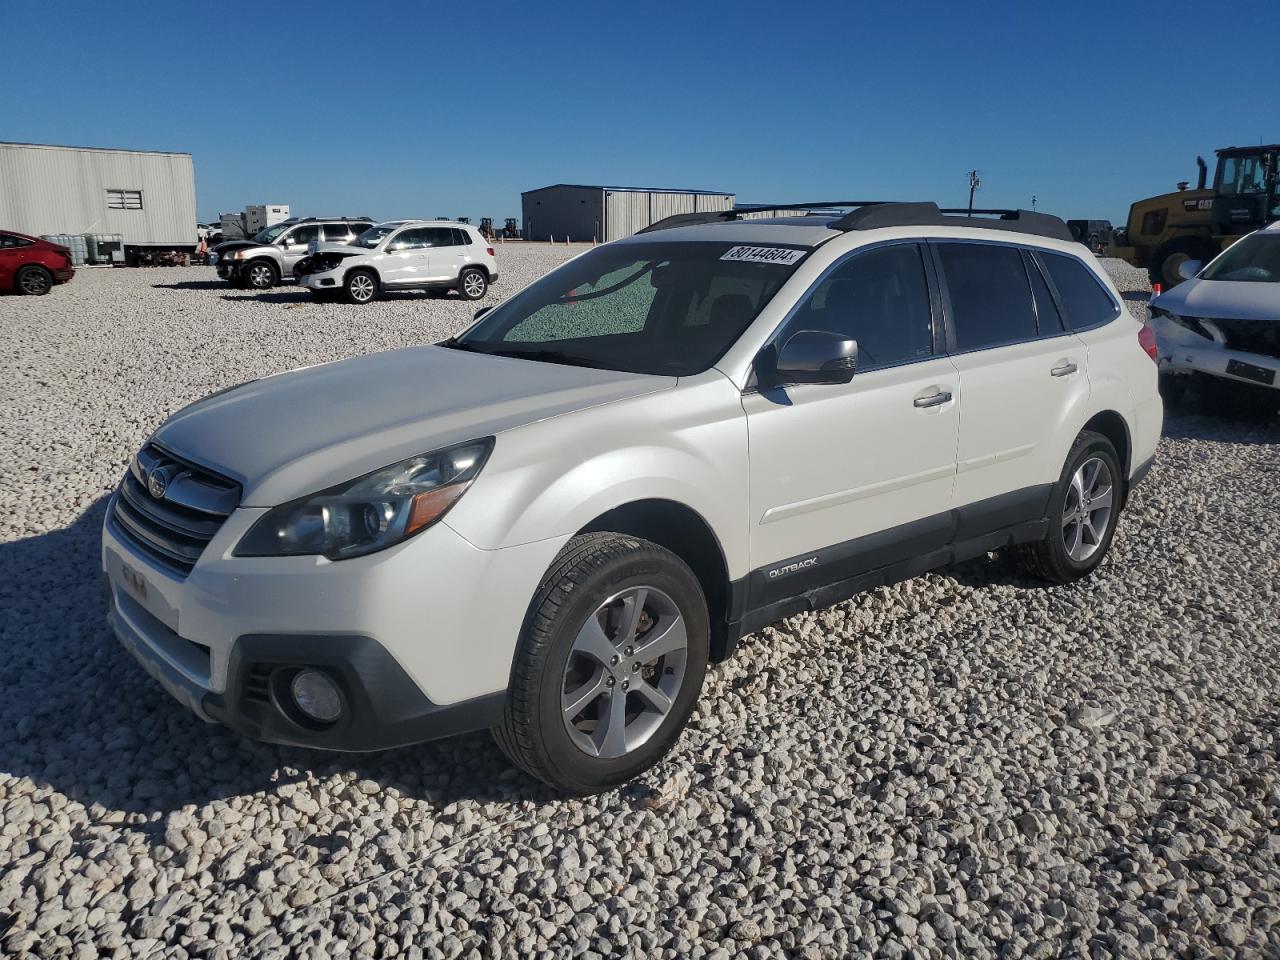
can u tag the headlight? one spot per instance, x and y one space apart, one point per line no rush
372 512
238 255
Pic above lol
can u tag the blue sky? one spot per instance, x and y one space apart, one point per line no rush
423 109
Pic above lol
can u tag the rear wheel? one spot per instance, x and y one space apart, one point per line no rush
1082 514
361 286
473 283
260 275
33 280
609 665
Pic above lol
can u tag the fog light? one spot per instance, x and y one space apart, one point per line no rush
316 696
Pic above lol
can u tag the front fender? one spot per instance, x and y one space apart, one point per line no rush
552 478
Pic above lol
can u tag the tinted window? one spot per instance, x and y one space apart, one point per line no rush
461 238
1046 310
8 242
1085 301
303 235
879 298
990 299
442 236
340 232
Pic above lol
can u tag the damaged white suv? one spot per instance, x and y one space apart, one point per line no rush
551 524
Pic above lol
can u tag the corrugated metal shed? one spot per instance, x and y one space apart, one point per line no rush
148 197
585 212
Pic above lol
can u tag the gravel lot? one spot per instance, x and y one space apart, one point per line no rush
964 765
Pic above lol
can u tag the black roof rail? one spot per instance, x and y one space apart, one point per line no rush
928 214
690 220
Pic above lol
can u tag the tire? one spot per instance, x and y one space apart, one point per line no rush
473 283
1163 268
33 281
599 577
1071 550
260 275
360 286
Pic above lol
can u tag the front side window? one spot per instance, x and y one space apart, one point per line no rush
124 199
415 239
880 298
1086 302
270 234
668 308
1255 259
990 298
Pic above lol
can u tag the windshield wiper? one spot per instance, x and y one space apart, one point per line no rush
546 355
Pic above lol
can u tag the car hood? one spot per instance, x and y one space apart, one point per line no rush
226 246
1222 300
295 433
343 248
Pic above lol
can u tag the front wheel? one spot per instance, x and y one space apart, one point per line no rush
473 283
260 275
1082 514
361 286
609 665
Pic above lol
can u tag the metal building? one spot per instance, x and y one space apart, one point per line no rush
585 213
147 197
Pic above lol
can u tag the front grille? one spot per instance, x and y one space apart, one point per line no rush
174 528
1251 336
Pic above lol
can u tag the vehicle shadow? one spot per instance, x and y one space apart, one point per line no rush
191 285
80 716
1257 427
1135 296
298 295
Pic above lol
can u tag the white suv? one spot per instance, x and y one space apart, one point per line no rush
403 255
551 523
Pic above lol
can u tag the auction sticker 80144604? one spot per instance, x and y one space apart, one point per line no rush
782 255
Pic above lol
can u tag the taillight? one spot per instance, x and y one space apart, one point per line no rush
1147 340
489 250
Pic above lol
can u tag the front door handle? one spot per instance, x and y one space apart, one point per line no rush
933 400
1066 368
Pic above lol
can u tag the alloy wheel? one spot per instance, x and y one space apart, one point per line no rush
1086 515
35 282
361 287
260 276
625 670
473 284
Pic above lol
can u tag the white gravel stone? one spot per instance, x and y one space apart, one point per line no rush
966 764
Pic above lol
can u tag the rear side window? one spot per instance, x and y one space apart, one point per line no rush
1085 300
990 299
1046 310
8 242
340 232
461 238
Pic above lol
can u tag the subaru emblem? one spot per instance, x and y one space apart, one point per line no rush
158 482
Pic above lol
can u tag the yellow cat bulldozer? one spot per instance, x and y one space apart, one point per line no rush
1198 224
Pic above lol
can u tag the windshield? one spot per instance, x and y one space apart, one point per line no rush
1255 259
269 234
372 237
662 308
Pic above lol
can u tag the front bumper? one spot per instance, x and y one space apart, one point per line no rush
419 638
328 280
1183 352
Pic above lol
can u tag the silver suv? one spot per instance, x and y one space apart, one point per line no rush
274 253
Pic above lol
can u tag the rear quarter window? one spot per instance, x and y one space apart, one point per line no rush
1085 301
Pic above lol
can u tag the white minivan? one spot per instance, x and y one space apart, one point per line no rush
550 524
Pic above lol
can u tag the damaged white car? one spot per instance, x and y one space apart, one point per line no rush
1221 329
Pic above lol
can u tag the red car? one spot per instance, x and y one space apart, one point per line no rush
31 265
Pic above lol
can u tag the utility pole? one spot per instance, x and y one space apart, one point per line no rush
974 183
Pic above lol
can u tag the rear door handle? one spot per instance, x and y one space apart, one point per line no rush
933 400
1066 368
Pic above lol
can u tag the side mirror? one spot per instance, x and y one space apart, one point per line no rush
1188 269
811 356
480 313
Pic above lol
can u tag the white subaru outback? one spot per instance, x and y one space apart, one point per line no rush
550 524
